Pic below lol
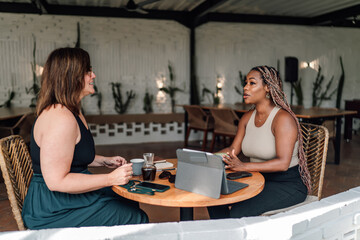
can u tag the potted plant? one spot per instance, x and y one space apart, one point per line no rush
35 89
171 89
148 99
242 79
121 107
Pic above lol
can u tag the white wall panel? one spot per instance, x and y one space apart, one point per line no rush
131 51
226 48
136 52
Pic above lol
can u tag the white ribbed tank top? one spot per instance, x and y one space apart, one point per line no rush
259 142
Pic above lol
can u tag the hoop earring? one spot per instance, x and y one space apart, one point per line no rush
267 95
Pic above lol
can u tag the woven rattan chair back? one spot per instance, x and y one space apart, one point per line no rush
198 118
16 167
315 142
226 121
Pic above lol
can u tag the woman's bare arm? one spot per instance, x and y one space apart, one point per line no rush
56 132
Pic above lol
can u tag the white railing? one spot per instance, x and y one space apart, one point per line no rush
335 217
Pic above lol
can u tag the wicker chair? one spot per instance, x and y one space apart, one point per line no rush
315 142
226 123
198 119
16 167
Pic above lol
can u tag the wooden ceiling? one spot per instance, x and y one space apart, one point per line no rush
192 13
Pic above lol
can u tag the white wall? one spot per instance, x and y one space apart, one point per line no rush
226 48
134 52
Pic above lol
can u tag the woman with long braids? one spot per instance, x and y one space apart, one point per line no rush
270 136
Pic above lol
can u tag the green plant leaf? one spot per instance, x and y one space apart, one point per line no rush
238 90
164 89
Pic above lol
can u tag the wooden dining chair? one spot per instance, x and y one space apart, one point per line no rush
16 167
226 123
198 119
21 126
330 125
315 143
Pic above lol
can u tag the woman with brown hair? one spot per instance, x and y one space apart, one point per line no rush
62 192
270 136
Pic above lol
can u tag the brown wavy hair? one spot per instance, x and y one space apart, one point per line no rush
271 78
63 79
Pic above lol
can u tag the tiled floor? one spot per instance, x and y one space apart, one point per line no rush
338 178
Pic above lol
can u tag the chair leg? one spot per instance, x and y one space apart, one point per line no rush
204 141
187 137
212 142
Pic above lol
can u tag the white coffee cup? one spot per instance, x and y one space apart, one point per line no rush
137 164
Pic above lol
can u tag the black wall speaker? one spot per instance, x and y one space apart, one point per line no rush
291 69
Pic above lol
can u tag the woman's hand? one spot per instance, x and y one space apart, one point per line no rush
121 175
233 162
113 162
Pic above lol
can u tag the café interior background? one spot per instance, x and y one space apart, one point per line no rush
136 53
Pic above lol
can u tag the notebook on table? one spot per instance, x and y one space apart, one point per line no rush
203 173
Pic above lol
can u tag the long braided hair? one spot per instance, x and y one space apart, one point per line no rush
271 78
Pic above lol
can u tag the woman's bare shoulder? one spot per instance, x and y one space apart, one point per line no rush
57 115
284 118
55 123
282 113
245 118
247 115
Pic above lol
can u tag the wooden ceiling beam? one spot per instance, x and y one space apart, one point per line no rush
18 7
339 15
251 18
203 9
32 8
200 15
44 6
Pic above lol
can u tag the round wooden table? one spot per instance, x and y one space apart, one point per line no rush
175 197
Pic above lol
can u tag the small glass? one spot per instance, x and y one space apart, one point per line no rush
148 169
148 172
149 158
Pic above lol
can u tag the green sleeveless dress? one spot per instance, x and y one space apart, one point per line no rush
50 209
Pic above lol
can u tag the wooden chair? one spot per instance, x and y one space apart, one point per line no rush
198 119
315 142
18 126
226 123
21 126
330 125
16 167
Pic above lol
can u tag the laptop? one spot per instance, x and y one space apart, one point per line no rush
203 173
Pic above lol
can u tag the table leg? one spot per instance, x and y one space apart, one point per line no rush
186 121
348 128
186 214
338 140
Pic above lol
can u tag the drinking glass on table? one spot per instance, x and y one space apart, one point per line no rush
149 169
149 158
